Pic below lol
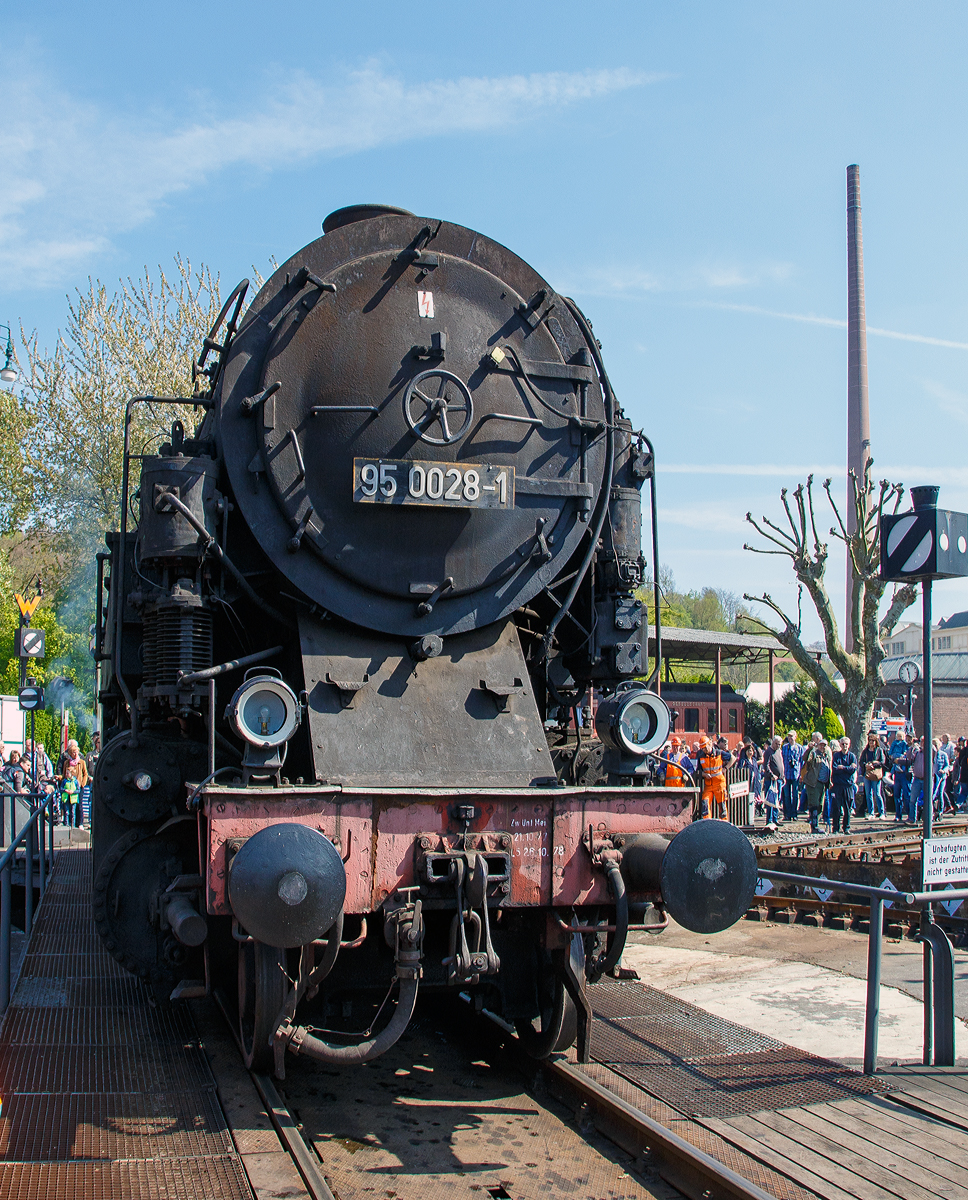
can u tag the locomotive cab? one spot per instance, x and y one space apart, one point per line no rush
405 527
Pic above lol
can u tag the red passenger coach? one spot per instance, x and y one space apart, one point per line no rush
698 707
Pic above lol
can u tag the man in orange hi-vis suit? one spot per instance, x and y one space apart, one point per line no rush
675 775
712 763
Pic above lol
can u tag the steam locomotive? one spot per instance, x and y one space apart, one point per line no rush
399 524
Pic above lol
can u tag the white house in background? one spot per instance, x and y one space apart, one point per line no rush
761 691
949 634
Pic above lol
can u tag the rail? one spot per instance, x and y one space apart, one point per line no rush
685 1166
682 1164
33 837
938 975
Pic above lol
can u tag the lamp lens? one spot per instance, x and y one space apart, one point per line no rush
263 712
637 724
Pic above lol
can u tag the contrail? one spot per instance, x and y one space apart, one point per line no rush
811 319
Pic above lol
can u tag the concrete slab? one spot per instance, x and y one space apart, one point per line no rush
805 1005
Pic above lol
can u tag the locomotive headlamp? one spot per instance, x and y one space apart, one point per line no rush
264 711
632 723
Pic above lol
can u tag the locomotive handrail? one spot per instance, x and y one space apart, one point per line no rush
655 676
185 677
27 837
599 521
938 992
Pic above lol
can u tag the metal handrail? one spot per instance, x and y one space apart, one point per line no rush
939 1025
42 809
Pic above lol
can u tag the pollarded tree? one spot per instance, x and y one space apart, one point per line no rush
802 544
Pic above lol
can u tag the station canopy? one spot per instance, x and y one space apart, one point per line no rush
705 645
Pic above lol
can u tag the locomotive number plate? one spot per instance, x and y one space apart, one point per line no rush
447 485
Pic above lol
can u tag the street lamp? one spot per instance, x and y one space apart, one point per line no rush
9 373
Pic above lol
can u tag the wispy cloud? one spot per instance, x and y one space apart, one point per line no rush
630 281
953 404
76 175
794 472
711 516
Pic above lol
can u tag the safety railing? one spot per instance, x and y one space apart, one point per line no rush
36 837
938 963
739 795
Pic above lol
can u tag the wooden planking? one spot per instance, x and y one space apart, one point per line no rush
931 1107
798 1162
889 1156
947 1146
952 1080
952 1095
844 1159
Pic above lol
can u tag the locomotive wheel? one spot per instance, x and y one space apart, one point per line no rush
134 872
557 1026
263 987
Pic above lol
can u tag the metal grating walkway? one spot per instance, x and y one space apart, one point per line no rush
702 1065
103 1095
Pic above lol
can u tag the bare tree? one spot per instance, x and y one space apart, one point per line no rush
731 605
802 544
141 340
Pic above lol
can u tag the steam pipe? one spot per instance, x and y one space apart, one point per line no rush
613 953
123 538
408 955
596 533
212 545
301 1041
328 961
655 679
223 668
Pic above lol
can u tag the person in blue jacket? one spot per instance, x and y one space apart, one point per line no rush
898 751
844 783
792 758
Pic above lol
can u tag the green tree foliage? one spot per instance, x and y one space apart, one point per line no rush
800 710
715 609
757 722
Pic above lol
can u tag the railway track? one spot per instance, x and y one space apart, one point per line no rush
456 1105
878 857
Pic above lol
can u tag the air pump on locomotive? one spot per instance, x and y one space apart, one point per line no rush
404 526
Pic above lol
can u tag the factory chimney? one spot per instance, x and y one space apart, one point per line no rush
858 412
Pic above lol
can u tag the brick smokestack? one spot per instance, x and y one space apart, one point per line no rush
858 411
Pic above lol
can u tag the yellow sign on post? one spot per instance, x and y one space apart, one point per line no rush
27 607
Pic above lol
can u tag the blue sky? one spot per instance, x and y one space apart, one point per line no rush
678 168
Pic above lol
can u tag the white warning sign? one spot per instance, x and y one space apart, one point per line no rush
425 304
945 860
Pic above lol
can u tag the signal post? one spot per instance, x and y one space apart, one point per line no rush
926 544
30 644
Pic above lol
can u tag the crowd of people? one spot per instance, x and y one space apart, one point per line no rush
825 780
32 772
